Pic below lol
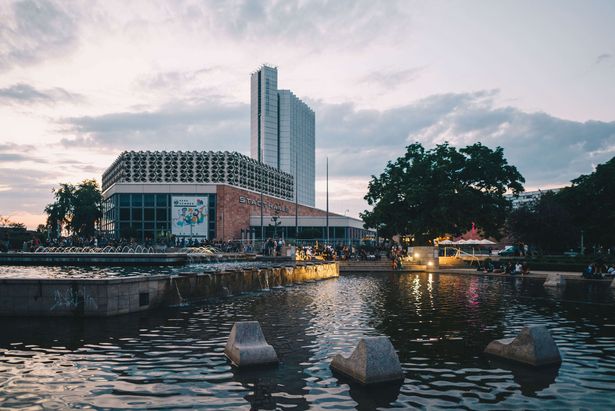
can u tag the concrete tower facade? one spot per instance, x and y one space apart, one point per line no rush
297 144
283 132
264 116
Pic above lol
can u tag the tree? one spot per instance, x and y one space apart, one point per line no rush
591 201
87 208
76 209
546 225
6 222
430 193
59 213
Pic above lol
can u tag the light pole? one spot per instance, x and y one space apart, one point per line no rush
327 200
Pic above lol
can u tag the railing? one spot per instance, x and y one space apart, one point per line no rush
139 249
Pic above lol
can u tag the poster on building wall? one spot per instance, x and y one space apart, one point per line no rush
189 216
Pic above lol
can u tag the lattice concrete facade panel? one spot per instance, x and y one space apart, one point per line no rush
198 167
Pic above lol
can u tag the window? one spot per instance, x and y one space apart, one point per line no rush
148 214
137 200
137 214
125 214
161 214
148 200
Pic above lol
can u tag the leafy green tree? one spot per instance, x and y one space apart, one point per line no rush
546 225
87 208
77 209
430 193
53 220
591 201
61 210
6 222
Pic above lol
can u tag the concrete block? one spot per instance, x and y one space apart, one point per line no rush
533 346
247 346
613 283
555 280
112 306
373 361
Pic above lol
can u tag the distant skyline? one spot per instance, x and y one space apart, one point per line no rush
82 81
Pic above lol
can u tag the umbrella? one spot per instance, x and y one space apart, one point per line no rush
486 242
462 242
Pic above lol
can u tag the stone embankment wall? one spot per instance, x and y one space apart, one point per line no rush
114 296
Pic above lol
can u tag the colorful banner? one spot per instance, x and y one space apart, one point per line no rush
189 216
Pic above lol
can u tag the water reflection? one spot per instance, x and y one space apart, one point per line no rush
371 397
531 380
440 325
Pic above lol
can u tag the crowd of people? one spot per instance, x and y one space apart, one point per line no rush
508 267
599 270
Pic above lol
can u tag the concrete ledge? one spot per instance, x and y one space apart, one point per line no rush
98 297
373 361
533 346
246 345
555 280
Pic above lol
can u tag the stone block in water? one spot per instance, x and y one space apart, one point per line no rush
555 280
373 361
247 346
613 283
533 346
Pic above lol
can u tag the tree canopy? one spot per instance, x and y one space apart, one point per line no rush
431 193
546 225
591 202
556 221
6 222
77 209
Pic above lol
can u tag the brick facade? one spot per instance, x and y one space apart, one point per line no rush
233 215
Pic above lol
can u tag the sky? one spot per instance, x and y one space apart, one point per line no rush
82 81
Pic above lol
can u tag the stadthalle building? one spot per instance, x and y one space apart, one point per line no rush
215 195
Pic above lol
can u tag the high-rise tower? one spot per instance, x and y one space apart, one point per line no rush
264 116
283 132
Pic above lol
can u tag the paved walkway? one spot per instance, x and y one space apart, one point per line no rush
384 266
574 276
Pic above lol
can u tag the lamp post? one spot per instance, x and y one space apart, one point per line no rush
327 200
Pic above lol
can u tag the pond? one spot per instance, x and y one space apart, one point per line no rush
439 324
67 271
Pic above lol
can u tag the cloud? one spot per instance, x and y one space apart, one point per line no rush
174 79
207 125
24 190
603 58
389 79
16 153
34 30
350 22
359 142
547 150
24 93
11 157
16 147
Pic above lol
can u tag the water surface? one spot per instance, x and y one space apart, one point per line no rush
440 324
33 271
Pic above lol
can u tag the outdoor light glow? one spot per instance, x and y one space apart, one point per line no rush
430 263
416 255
